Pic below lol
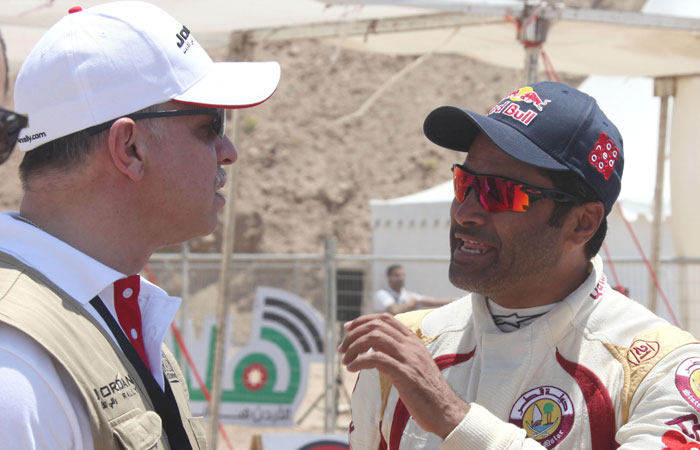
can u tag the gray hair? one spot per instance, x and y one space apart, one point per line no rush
69 152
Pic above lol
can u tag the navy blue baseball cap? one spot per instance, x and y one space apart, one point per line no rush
549 125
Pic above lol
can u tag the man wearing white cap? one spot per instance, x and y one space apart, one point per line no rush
124 150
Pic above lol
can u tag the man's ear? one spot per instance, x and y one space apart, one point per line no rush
583 221
125 149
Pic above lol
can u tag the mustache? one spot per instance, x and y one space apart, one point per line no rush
220 178
473 232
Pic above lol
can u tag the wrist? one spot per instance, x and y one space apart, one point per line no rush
454 415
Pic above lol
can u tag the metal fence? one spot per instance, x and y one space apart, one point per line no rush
340 287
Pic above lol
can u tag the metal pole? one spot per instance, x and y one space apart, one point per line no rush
532 55
243 52
663 88
185 296
331 339
532 33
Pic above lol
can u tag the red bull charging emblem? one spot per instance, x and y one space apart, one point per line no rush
511 105
528 95
545 413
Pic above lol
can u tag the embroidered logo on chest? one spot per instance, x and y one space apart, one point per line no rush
604 155
169 371
545 413
688 381
641 351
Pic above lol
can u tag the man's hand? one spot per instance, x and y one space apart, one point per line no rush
401 355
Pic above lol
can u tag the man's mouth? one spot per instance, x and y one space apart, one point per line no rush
473 247
220 178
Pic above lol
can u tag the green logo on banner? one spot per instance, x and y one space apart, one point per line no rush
266 380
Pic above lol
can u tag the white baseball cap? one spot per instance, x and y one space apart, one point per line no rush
110 60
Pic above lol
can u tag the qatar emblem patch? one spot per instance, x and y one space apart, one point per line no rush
688 381
604 155
545 413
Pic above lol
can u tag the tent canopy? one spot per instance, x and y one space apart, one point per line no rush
637 44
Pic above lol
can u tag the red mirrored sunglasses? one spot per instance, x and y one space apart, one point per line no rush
498 194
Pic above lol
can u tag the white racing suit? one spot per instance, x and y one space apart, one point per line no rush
597 372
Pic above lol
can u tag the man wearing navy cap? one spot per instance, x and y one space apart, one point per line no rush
544 353
123 154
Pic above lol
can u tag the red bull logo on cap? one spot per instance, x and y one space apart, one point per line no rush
513 111
511 104
528 95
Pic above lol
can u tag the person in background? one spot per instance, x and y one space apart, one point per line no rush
123 154
397 299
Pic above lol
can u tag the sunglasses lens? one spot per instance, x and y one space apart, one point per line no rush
462 180
495 194
220 125
10 126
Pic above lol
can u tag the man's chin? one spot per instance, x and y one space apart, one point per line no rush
467 282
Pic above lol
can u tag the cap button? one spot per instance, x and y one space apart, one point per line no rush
75 9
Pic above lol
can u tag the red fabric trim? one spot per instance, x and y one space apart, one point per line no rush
601 414
129 313
398 424
209 105
382 443
401 415
445 361
357 380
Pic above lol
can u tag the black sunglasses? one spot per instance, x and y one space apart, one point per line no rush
219 124
10 125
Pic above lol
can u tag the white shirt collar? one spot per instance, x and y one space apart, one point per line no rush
64 265
83 277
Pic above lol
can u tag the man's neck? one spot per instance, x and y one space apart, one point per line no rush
544 291
103 235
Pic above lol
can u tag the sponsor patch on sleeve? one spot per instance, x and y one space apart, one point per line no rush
688 381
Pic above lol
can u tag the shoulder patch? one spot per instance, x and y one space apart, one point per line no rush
646 350
413 321
688 381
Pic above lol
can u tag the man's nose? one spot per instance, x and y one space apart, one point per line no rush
225 151
470 210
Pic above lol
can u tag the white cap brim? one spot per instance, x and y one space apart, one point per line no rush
233 85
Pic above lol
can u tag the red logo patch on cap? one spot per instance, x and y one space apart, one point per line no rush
604 155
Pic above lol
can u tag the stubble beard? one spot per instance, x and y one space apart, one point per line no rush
531 258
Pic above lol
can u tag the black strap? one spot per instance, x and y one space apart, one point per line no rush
163 402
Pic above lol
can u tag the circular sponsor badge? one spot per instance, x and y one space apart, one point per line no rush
545 413
688 381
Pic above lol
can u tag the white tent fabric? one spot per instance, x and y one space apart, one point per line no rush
211 21
574 46
625 50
